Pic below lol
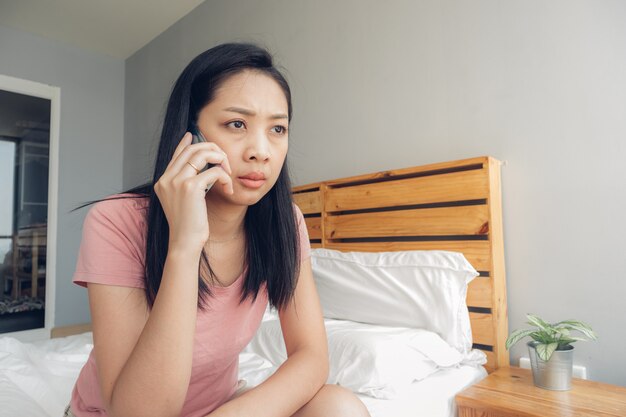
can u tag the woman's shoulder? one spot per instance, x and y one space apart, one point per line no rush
124 210
297 211
123 201
112 249
122 204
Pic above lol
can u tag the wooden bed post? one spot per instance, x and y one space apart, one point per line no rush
496 236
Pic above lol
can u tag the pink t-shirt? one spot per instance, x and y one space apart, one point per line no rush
112 251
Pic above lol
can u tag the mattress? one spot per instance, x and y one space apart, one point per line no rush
36 380
431 397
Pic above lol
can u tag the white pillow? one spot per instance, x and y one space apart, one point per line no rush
419 289
373 360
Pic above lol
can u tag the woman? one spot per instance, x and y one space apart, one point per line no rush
179 277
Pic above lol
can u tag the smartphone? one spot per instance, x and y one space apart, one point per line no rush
198 137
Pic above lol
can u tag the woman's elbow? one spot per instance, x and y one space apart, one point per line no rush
132 407
146 411
323 368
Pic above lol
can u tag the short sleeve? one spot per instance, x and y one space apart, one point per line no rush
305 244
112 245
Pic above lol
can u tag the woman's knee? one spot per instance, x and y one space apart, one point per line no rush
333 401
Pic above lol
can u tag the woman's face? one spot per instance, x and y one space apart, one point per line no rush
248 120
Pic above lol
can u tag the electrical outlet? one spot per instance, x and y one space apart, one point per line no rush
578 371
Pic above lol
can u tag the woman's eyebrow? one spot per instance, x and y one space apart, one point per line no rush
251 113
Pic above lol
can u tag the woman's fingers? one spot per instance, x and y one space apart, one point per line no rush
186 140
201 158
188 163
200 154
212 175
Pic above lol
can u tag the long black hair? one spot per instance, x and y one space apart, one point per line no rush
272 241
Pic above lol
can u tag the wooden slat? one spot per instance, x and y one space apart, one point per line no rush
466 220
314 226
479 292
491 364
70 330
306 187
457 186
316 245
407 171
476 251
308 202
482 328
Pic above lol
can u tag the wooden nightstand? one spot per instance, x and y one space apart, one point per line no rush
509 392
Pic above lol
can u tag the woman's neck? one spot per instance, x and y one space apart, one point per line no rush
226 221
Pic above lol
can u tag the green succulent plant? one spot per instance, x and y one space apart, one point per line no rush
551 336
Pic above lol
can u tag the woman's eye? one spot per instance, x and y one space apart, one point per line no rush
237 124
281 129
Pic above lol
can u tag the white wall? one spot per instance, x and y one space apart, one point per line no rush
381 85
91 140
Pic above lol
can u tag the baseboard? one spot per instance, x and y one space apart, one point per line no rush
70 330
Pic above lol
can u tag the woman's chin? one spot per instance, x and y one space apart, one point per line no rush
240 197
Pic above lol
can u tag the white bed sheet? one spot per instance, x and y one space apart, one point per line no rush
431 397
36 380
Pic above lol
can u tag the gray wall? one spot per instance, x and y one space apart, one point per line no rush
91 140
381 85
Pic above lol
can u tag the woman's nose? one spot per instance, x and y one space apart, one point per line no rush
258 146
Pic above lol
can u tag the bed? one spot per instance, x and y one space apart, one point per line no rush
451 206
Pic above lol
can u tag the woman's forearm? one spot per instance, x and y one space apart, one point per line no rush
297 380
160 364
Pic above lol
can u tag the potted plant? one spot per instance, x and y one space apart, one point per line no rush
551 351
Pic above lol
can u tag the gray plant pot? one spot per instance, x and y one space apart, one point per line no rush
554 374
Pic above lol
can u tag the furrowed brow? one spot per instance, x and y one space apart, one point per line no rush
247 112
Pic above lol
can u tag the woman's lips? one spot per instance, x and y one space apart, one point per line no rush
247 182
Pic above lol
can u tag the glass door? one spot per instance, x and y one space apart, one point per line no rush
24 156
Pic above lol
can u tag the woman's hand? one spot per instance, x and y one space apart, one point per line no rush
181 191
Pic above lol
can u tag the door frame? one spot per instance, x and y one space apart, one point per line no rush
52 93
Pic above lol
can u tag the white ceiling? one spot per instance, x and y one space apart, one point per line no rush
113 27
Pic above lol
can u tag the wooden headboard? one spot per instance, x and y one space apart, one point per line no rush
452 206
